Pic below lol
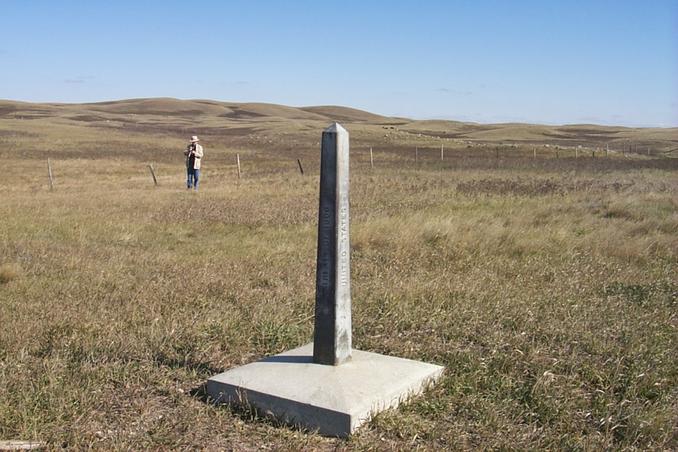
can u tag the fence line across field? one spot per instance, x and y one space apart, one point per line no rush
500 152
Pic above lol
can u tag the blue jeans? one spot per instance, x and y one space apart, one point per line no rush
193 178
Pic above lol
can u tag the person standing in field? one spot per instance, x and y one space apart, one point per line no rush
193 153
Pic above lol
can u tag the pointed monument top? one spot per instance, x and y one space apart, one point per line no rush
334 128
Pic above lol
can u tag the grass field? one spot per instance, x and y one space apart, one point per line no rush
546 286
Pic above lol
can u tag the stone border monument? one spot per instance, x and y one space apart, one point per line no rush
325 385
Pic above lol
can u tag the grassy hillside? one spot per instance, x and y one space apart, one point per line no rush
545 283
259 125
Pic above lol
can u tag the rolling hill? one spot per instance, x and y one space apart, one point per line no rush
262 121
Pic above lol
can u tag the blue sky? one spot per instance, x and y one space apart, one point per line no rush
605 62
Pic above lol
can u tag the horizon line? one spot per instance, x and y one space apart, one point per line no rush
388 115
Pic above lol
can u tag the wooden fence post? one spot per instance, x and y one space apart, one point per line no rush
416 154
155 180
237 160
371 159
301 168
442 152
49 174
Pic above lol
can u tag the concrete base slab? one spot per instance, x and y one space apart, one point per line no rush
335 400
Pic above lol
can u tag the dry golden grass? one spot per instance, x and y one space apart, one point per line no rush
547 287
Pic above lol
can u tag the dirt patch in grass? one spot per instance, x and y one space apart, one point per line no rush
643 294
87 118
5 110
16 134
242 114
9 272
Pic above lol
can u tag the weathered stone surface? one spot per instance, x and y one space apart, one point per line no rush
335 400
332 337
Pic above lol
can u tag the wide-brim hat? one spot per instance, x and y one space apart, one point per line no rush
194 139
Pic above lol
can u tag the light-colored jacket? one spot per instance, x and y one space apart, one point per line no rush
198 155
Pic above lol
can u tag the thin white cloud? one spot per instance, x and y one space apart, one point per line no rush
80 79
454 92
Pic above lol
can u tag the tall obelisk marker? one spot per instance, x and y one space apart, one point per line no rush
332 337
315 386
